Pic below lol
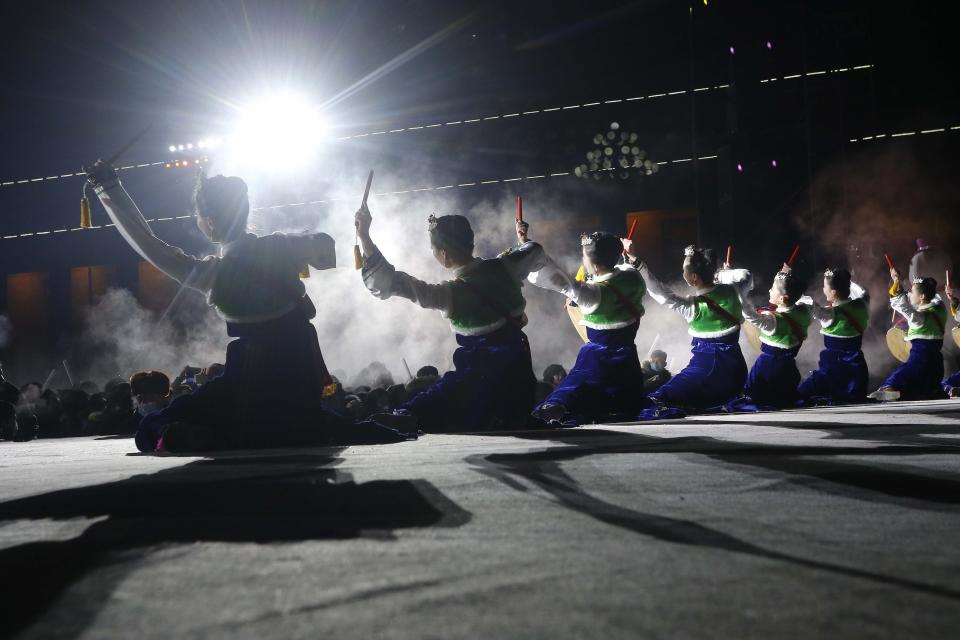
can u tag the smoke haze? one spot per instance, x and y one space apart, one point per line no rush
882 201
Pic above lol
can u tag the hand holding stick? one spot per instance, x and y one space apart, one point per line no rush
894 274
628 241
100 172
522 228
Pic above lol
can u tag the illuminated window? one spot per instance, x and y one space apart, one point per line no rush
27 308
155 289
86 285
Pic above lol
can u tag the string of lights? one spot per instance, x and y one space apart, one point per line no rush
9 183
821 72
903 134
461 185
518 114
209 143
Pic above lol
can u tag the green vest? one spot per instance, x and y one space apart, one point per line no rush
613 313
789 323
934 324
841 327
708 323
482 298
256 281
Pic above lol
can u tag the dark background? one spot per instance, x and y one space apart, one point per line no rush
79 78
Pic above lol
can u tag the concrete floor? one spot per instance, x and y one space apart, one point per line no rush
819 523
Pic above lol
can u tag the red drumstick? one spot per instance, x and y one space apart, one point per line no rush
793 256
889 261
519 209
633 225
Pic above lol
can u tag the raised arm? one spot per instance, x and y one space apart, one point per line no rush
825 315
900 303
742 281
190 271
664 295
316 249
384 281
550 276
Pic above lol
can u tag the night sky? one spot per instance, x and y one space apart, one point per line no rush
82 77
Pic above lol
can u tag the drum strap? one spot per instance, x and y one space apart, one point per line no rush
849 316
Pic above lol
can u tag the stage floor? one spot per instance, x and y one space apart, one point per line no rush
841 523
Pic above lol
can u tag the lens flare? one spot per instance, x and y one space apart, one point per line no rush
283 131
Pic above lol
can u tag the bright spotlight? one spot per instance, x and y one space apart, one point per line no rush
280 131
173 148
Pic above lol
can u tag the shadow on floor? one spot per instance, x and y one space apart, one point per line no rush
246 499
865 481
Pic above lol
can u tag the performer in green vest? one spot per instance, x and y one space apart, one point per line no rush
773 378
492 385
716 371
841 376
919 378
253 284
606 381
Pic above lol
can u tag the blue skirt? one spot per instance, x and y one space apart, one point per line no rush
919 377
772 381
715 375
492 386
606 382
841 376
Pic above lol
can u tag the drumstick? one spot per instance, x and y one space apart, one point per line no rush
729 253
46 383
519 209
127 146
633 225
889 261
793 256
66 370
86 219
357 255
653 345
366 190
